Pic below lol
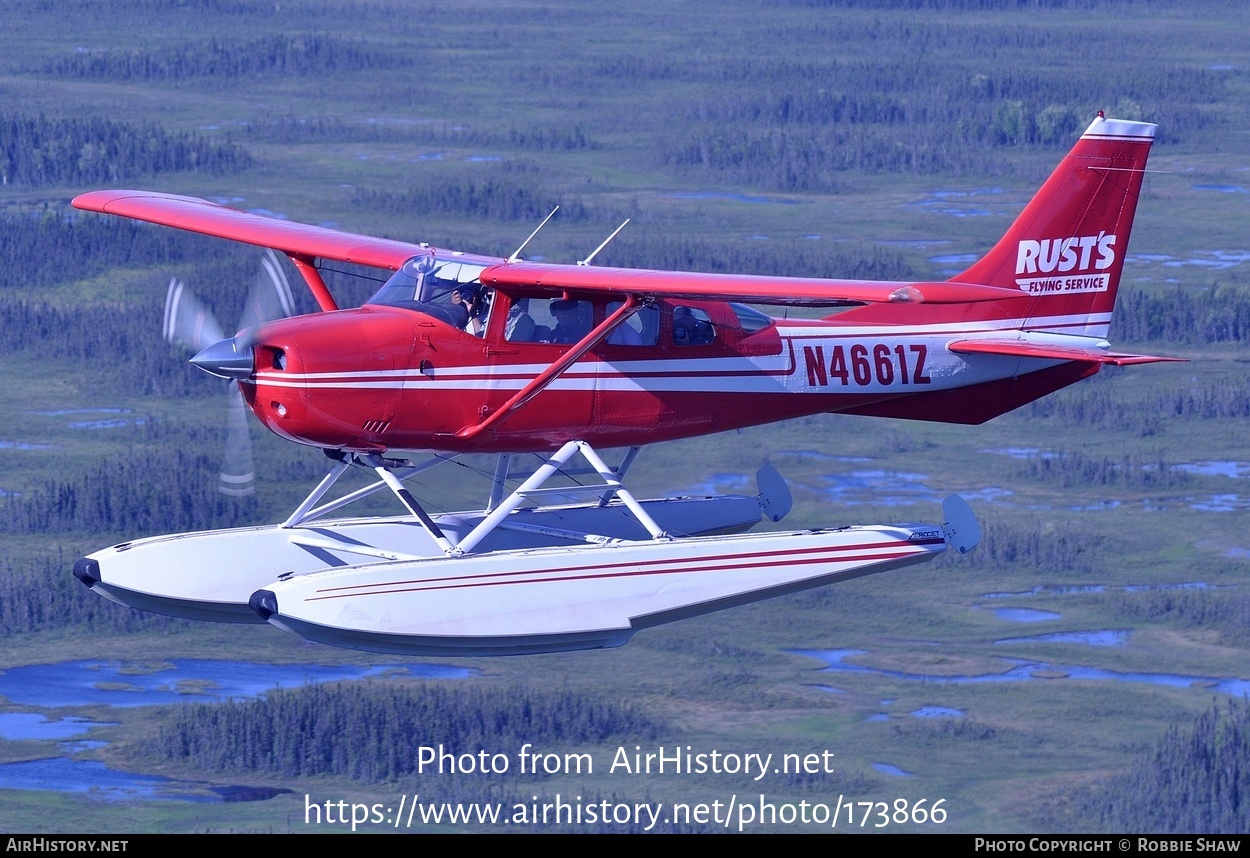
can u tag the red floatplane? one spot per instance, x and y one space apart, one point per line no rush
459 353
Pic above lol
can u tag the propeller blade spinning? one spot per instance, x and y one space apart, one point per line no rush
191 325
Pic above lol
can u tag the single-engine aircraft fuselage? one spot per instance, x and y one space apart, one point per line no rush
460 353
395 374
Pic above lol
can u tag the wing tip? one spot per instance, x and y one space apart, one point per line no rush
99 201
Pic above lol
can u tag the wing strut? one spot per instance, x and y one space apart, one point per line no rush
543 379
313 278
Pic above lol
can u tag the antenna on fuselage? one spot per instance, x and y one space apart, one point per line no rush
516 254
595 252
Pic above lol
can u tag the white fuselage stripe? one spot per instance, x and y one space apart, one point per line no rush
917 362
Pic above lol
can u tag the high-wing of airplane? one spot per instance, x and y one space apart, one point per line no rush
459 353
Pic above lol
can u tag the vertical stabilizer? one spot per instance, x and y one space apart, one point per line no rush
1067 247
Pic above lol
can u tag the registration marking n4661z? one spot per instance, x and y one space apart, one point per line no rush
864 363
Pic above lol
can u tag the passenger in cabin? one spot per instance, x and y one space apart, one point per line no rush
520 325
683 326
692 327
458 314
572 320
482 306
624 335
641 329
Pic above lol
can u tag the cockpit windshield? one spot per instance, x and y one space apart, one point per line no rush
425 279
444 288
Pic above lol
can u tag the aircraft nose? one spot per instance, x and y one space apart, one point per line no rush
227 359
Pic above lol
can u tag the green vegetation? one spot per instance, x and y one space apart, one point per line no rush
1226 614
38 150
1194 781
104 499
500 197
1072 469
219 60
39 597
1220 315
853 138
374 733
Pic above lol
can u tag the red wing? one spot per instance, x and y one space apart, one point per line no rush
807 291
294 239
1016 348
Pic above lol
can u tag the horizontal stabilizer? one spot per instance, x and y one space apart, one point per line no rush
1046 351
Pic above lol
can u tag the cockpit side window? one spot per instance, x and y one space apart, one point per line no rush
476 303
426 278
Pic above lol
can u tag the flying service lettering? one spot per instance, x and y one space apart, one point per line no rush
862 364
1053 285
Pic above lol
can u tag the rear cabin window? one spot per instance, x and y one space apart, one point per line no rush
750 319
692 327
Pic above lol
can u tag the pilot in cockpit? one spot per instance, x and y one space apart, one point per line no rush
475 303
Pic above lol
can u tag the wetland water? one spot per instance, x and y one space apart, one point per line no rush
867 486
110 683
63 774
1023 670
1101 637
121 685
